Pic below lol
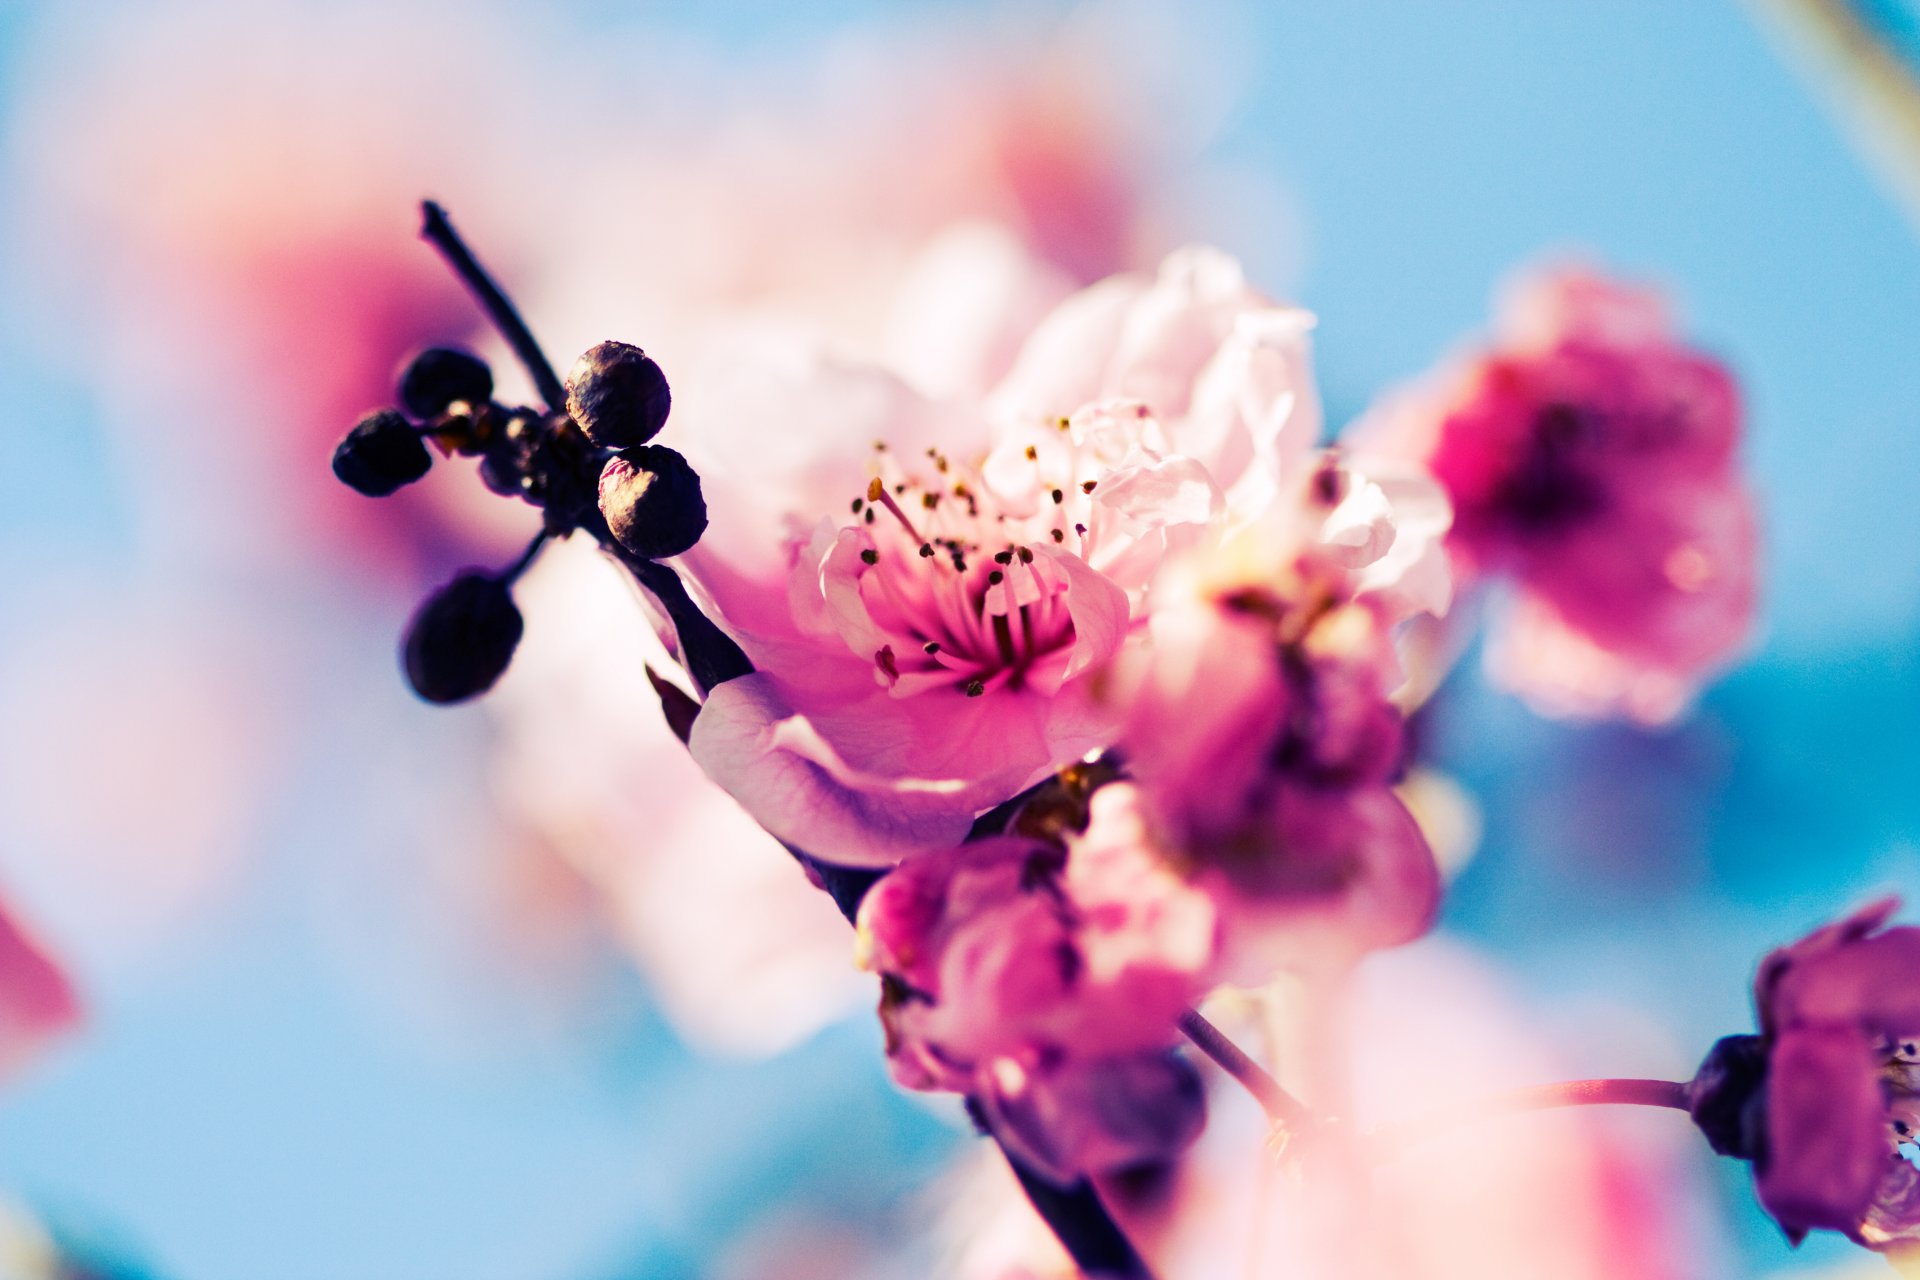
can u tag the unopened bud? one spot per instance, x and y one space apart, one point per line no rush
381 453
618 395
462 638
439 376
651 499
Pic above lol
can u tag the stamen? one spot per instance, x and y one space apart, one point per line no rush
877 492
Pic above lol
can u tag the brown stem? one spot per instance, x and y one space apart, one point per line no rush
438 232
1281 1107
1545 1097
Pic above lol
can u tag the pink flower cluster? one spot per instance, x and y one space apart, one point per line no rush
1128 545
1591 459
1043 978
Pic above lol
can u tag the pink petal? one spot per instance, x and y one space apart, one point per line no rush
795 784
1826 1123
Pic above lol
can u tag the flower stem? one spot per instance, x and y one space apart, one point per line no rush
1546 1097
1281 1107
438 232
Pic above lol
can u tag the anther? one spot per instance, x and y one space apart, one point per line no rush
926 550
870 556
1058 497
1086 486
975 688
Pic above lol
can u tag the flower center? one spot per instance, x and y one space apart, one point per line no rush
963 587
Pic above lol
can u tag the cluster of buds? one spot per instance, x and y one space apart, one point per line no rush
587 467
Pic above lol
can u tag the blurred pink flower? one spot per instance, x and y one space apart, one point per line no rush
923 658
1840 1019
1591 457
1574 1195
36 1001
1260 724
1047 982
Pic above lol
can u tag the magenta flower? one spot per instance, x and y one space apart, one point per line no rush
1046 983
1261 726
1590 457
1826 1100
925 587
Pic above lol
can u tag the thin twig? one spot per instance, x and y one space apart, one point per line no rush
1281 1107
1545 1097
438 232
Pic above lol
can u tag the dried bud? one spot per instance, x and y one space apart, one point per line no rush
382 453
462 638
651 500
618 395
439 376
1727 1098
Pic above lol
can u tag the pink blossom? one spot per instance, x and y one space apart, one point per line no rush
928 587
1840 1025
1261 727
1591 458
1046 982
36 1001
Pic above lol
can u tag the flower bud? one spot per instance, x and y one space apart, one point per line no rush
462 638
652 503
1727 1098
381 453
439 376
618 395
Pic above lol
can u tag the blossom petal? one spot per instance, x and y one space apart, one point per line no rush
1826 1117
798 786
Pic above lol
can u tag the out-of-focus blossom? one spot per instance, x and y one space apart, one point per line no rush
1576 1195
1826 1100
925 593
36 1001
1046 982
1591 458
1261 727
743 954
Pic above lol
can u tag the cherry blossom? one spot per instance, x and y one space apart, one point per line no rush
1590 455
929 590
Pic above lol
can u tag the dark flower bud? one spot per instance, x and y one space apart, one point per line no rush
652 503
439 376
382 453
618 395
462 638
1727 1098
